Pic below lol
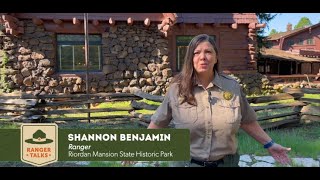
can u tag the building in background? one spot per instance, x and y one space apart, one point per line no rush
144 50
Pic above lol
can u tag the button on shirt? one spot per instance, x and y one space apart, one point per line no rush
214 122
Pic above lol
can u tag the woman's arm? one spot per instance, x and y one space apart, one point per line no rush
278 152
255 131
152 125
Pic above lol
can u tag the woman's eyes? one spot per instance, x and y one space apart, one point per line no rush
207 52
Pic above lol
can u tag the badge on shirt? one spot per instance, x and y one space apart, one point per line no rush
227 95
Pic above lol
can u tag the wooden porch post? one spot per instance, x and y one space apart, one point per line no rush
278 67
265 66
86 53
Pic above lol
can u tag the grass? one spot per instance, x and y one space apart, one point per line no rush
312 96
304 141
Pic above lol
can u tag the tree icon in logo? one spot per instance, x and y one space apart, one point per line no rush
39 137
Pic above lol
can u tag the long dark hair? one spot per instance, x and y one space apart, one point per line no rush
186 79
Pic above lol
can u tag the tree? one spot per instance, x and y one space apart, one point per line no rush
263 18
304 21
273 31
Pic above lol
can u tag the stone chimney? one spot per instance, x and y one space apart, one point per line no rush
289 27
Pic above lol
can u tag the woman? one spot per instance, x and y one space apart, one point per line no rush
213 107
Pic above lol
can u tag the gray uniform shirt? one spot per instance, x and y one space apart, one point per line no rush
214 122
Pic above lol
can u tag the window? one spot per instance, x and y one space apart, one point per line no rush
300 42
290 42
182 43
268 69
310 41
261 69
71 52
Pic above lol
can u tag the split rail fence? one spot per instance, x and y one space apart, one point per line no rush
53 108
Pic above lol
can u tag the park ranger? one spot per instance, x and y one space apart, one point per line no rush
213 107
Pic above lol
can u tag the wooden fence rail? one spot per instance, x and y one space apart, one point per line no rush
49 108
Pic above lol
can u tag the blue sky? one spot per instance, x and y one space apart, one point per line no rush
280 22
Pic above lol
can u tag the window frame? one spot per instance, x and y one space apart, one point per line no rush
79 43
312 41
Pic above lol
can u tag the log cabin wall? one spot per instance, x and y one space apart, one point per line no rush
232 44
234 56
133 56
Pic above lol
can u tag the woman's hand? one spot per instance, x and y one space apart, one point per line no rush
279 153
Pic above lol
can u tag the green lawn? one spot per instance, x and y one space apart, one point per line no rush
304 141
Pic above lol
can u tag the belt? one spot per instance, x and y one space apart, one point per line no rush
207 163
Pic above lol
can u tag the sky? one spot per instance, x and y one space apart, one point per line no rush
280 22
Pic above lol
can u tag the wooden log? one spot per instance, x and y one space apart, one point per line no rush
234 26
252 34
277 116
302 90
252 26
309 118
75 111
20 30
263 99
113 117
142 105
309 100
166 27
37 21
95 22
215 25
142 123
279 123
199 25
252 31
76 21
143 117
253 56
311 110
112 22
26 102
147 22
130 21
252 52
278 106
263 25
10 18
182 25
10 25
71 103
58 21
144 95
15 109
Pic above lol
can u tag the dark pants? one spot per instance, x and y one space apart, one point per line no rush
227 161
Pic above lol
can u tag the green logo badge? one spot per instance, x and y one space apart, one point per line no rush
39 137
227 95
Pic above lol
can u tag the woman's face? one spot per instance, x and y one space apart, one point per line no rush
204 58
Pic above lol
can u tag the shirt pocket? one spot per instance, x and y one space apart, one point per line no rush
230 109
185 113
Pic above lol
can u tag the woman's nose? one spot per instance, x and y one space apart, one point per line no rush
202 55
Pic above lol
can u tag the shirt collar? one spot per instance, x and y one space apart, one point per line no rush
216 81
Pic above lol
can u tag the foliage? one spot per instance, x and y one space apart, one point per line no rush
4 86
273 31
304 21
263 18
